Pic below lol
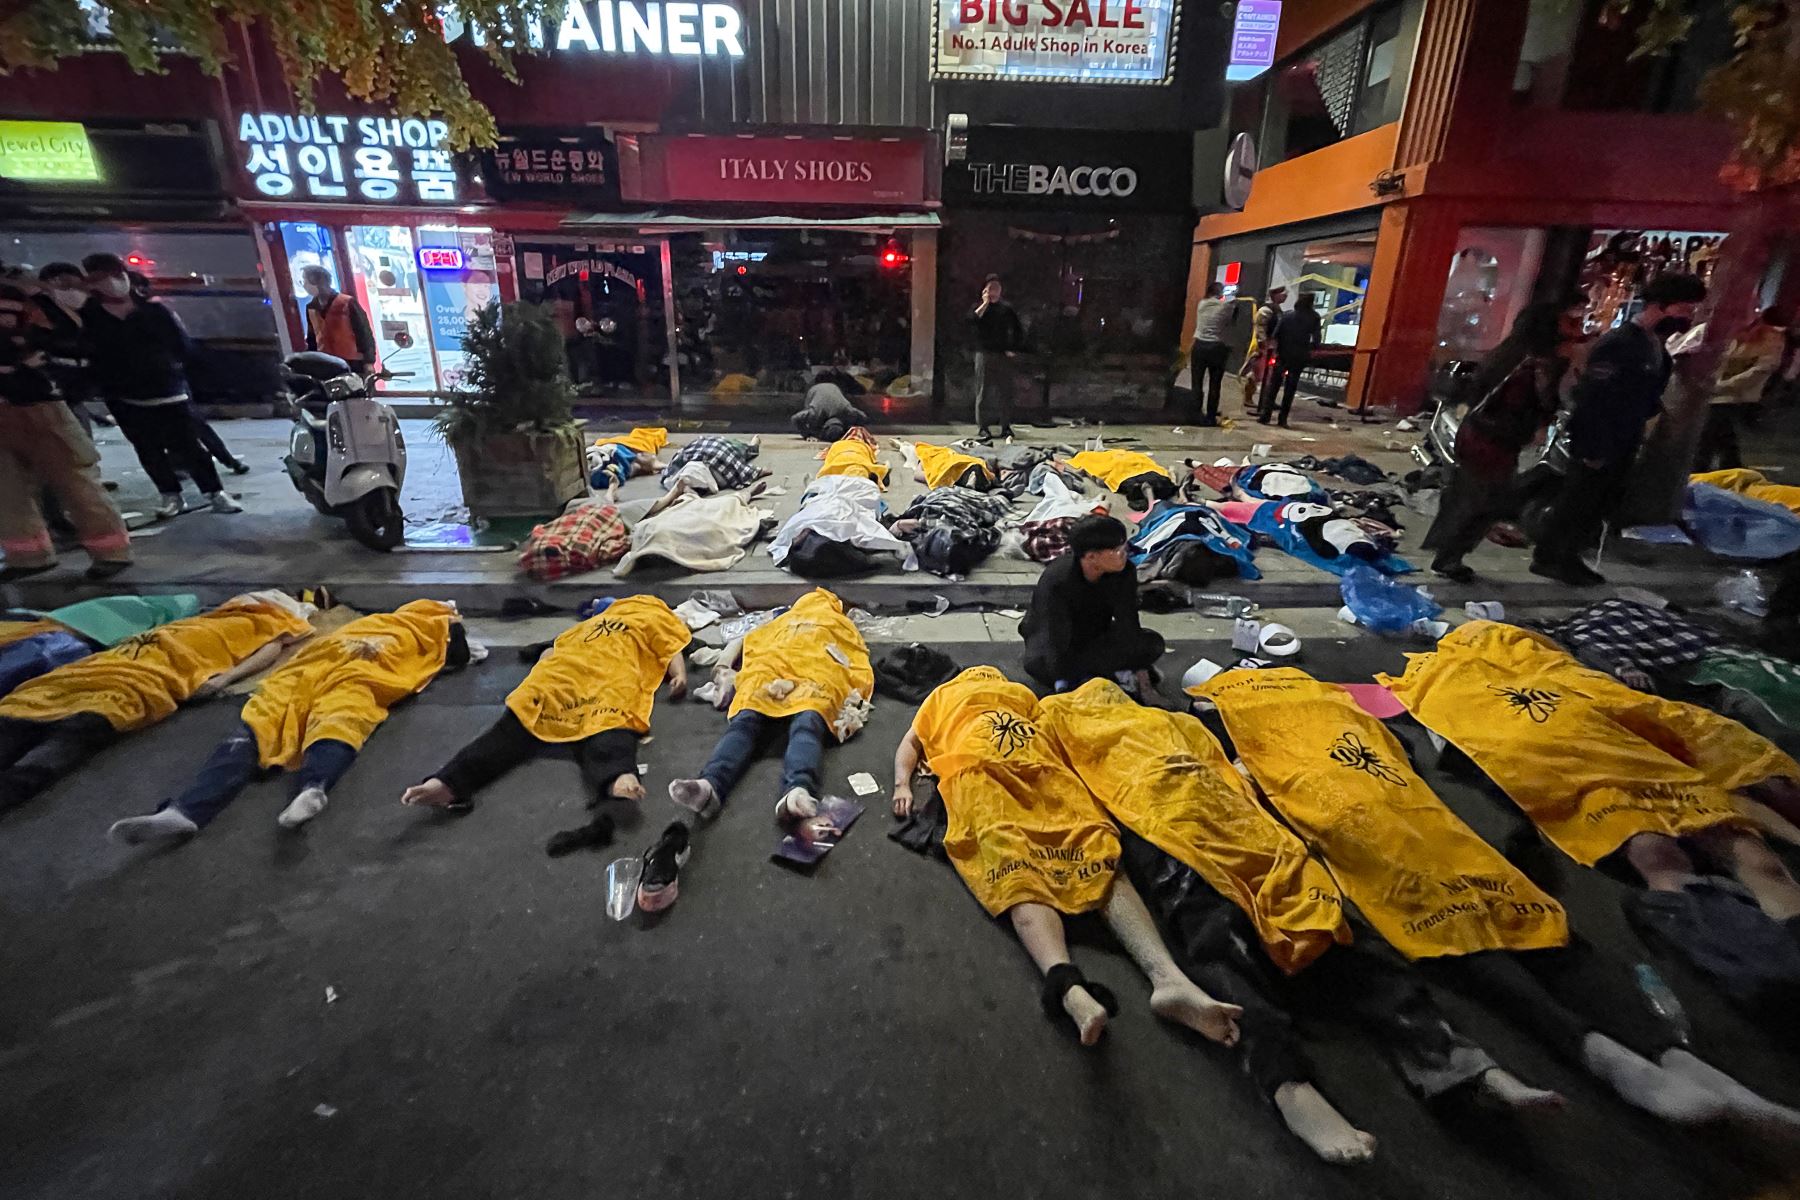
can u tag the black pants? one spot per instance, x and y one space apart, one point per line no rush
993 388
210 440
1573 523
1560 996
35 754
164 438
1719 449
1283 376
1469 507
1209 357
1093 658
506 743
1365 982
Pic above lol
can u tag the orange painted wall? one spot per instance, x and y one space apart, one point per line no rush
1321 184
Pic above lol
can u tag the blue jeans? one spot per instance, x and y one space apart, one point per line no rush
233 763
30 657
744 737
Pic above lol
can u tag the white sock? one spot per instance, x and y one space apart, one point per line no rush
1744 1102
307 805
797 805
166 825
1642 1083
696 795
1311 1118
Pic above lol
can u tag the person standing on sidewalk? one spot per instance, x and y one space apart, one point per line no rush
1213 317
1617 395
138 351
1295 336
1751 360
43 445
59 317
1262 337
336 323
999 335
1517 387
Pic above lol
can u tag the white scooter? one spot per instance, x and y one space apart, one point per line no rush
351 461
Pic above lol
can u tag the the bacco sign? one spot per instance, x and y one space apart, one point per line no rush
1044 179
1072 170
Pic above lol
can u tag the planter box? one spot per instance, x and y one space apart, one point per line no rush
522 474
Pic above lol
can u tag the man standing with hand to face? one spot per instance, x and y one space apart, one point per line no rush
999 335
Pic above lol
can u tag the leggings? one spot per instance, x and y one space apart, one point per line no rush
603 757
34 754
234 763
1366 982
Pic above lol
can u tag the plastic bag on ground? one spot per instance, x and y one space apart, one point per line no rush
1744 592
1382 605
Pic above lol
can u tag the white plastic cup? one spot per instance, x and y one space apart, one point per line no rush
622 877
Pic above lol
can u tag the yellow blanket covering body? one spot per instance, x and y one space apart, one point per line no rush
851 456
1164 777
1341 780
1022 827
339 686
145 678
943 466
1114 467
644 440
1753 484
602 674
1592 762
797 648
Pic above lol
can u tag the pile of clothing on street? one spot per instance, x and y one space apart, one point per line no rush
1284 506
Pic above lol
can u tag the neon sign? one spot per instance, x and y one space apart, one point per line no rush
440 258
385 159
715 30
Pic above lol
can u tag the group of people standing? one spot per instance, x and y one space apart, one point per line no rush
1281 348
74 335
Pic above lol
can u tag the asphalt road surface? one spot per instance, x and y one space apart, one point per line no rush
165 1027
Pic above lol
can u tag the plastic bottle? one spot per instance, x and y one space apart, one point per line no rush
1217 604
1663 1001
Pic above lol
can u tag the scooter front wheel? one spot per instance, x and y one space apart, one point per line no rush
375 520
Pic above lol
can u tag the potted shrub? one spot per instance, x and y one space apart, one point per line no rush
518 449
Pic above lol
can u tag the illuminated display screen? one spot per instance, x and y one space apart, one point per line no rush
440 258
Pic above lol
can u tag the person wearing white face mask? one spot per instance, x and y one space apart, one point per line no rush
137 351
336 323
59 317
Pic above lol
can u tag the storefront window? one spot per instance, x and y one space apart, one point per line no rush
386 271
1493 276
775 310
1619 262
608 300
1349 83
307 244
1335 273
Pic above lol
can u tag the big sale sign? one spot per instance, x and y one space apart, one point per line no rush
1042 41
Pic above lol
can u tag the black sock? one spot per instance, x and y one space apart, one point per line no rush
596 833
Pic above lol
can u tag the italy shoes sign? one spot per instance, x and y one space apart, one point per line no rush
1046 41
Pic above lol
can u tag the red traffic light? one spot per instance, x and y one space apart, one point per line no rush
742 269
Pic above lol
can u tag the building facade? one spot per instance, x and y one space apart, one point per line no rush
1429 167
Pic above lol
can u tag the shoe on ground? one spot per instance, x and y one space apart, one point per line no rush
223 503
660 884
1574 574
106 568
170 506
1455 572
1006 432
238 467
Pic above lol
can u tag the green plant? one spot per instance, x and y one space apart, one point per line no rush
388 52
515 376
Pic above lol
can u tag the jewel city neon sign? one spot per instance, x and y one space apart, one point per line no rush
679 27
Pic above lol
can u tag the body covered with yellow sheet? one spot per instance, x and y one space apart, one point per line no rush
854 457
943 466
1022 827
340 685
1165 778
602 674
1114 467
814 647
1342 781
147 677
1592 762
642 440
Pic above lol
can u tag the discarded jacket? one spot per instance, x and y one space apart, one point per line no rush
909 672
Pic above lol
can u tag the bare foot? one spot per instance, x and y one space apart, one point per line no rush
1087 1013
1310 1117
433 793
1507 1090
1185 1004
627 787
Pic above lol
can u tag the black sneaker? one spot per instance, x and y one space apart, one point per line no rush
1455 572
1007 433
1575 574
985 437
661 882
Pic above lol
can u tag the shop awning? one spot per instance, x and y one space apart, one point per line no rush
653 220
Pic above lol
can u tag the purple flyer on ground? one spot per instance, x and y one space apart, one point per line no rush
1253 39
806 842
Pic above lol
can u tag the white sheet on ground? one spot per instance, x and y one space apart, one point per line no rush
1060 501
701 533
843 508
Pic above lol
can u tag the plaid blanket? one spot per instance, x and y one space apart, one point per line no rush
728 459
1623 635
590 537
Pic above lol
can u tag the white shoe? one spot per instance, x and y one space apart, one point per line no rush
798 805
170 507
307 805
223 503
